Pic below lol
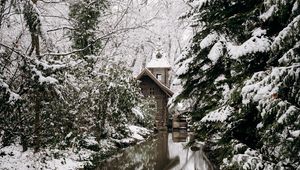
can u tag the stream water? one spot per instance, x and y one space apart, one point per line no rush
163 152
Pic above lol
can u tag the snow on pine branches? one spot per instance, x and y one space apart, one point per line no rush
254 47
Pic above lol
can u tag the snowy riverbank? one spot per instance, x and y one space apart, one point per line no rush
12 157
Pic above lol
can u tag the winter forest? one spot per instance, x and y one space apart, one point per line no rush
70 96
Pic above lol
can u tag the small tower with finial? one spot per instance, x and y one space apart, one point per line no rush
160 67
154 81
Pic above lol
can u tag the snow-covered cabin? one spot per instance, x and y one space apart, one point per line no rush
155 82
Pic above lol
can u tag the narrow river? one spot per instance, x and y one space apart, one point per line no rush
163 152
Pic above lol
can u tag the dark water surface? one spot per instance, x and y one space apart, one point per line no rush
163 152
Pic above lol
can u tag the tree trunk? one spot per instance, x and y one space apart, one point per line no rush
101 119
2 8
37 123
98 124
35 45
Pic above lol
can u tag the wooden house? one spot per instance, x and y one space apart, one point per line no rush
154 81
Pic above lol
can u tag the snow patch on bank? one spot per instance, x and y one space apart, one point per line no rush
14 158
138 133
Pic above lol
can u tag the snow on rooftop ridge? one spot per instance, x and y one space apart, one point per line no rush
159 60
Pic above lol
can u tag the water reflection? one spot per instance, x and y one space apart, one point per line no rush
164 152
179 136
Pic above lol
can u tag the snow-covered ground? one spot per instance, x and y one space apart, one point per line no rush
12 157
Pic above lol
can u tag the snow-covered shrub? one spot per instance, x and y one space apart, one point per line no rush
104 102
145 112
53 94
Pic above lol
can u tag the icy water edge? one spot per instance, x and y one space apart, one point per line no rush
163 152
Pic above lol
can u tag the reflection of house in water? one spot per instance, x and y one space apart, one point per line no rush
155 82
179 122
179 135
163 157
160 153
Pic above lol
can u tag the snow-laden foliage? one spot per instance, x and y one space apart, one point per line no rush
242 73
105 100
58 89
145 112
85 16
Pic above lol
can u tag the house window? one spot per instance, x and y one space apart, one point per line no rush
152 106
152 91
159 77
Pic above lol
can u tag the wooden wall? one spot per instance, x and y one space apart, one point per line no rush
164 73
150 88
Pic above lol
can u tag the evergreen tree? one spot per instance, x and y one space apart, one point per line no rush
241 74
85 15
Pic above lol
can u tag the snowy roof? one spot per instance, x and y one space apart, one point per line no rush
161 85
158 60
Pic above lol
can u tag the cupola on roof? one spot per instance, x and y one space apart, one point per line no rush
159 60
